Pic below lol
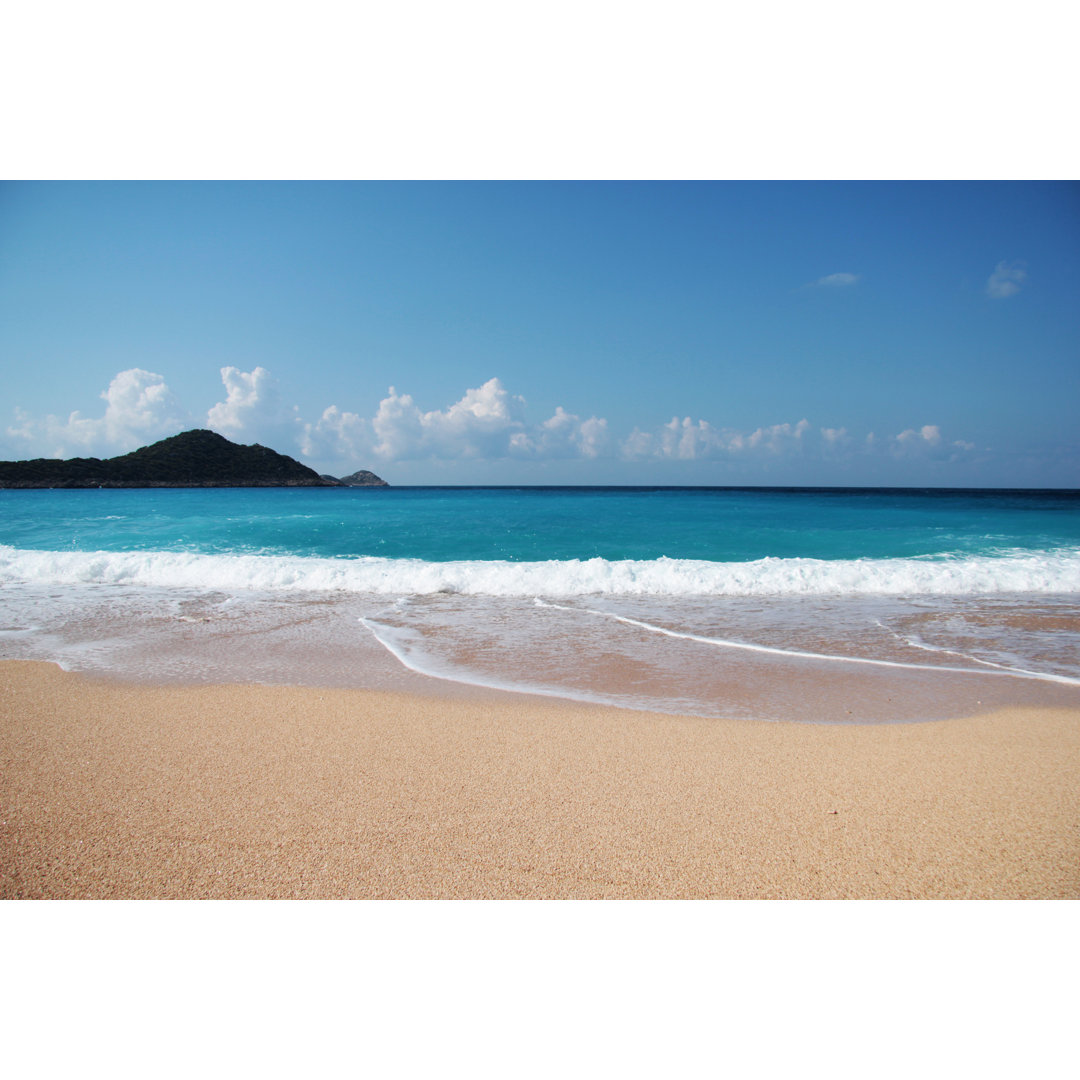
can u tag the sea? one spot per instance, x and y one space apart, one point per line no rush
819 605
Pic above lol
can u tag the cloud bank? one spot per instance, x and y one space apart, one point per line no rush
686 440
927 443
486 424
139 409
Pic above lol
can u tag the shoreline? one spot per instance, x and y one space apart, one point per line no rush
119 790
815 661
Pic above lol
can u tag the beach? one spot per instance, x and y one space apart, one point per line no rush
122 790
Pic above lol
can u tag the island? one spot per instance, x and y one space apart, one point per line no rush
363 478
192 459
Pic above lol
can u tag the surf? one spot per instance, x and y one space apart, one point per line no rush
1020 572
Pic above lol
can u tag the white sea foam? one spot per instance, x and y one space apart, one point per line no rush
408 649
797 654
914 641
1018 572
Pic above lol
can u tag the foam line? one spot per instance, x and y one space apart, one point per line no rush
927 647
1017 673
406 660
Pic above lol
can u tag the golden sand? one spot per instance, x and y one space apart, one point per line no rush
112 790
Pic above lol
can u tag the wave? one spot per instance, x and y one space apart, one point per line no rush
1009 572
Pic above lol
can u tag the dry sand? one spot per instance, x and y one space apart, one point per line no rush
112 790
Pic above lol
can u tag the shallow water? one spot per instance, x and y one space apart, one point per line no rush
830 606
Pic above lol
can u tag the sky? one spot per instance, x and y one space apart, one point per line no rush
512 332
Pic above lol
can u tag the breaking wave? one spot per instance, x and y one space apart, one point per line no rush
1009 572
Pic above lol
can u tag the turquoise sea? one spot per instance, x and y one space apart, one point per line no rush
834 604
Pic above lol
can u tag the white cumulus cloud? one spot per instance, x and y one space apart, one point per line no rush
482 424
253 411
928 435
687 440
486 423
777 439
1006 280
928 443
678 440
341 437
139 409
563 435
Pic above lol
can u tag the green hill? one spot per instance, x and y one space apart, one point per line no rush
191 459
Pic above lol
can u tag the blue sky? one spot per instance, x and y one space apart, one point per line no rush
625 332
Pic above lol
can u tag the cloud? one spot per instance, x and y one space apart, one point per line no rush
481 425
689 440
336 436
399 428
563 435
682 440
139 409
686 440
252 409
833 281
1006 280
487 423
927 443
591 436
249 394
929 435
777 439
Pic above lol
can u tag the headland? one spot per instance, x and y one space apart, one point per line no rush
191 459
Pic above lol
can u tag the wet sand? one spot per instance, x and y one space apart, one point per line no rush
113 790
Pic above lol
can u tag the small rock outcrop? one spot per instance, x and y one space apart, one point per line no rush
363 478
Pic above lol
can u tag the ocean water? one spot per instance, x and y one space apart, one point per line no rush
826 605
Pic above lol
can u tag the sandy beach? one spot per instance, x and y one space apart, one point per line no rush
114 790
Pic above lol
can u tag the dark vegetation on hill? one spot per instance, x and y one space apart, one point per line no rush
191 459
